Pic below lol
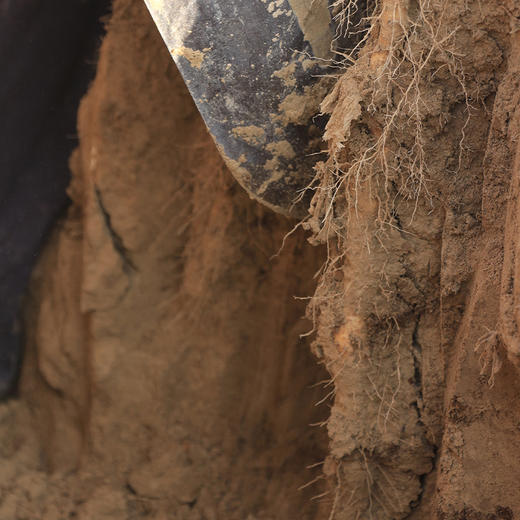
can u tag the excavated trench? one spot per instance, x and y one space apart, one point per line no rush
165 376
168 372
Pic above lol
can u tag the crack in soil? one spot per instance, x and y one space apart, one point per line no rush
117 241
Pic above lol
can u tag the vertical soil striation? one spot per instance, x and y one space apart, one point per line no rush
416 313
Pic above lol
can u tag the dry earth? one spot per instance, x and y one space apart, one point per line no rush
165 375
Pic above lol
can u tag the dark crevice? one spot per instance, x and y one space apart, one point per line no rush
397 219
351 28
130 489
418 404
192 503
117 241
417 353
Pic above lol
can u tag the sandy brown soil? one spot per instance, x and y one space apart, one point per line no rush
165 375
423 316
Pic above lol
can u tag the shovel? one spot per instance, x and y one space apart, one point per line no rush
256 70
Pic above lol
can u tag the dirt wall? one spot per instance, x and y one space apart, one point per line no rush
165 375
417 206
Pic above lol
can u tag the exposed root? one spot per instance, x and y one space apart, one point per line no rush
382 99
401 80
490 360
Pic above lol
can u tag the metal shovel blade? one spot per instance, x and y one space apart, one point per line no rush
255 70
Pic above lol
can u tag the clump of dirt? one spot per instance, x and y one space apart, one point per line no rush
165 375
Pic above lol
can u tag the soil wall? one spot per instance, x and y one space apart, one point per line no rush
166 376
418 205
